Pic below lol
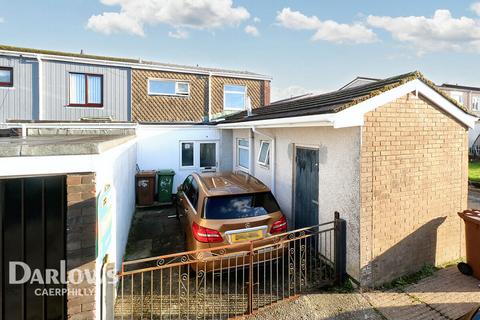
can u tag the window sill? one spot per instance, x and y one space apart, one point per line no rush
169 95
95 106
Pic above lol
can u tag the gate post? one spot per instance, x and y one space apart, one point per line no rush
340 244
250 281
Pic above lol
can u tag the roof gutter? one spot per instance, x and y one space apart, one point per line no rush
272 152
133 65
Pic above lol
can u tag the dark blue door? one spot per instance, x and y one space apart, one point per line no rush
306 187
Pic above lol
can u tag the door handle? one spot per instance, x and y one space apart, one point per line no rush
315 202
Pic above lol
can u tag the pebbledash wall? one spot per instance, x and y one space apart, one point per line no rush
338 174
414 166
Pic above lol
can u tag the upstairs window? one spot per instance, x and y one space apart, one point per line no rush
86 90
158 87
458 96
234 97
6 77
476 103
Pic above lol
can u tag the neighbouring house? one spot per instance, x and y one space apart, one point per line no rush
470 98
359 81
391 156
59 86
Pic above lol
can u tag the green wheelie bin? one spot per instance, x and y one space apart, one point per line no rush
164 185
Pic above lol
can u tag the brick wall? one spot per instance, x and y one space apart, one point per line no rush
81 238
414 166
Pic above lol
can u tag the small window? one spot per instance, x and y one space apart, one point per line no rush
234 97
264 154
86 90
168 88
187 154
476 103
6 77
458 96
243 154
208 155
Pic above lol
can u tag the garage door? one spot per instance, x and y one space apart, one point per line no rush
33 233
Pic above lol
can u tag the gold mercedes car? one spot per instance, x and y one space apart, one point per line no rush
229 213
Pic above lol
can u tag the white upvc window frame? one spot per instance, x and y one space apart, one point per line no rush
177 91
265 162
238 147
181 155
476 104
457 96
225 92
196 155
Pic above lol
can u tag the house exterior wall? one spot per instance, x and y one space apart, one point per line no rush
20 102
146 108
414 163
192 108
116 92
339 152
158 147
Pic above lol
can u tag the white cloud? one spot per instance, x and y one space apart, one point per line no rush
252 30
257 20
442 32
198 14
2 20
475 7
327 30
290 91
113 22
178 34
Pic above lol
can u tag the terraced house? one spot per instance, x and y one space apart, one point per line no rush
60 86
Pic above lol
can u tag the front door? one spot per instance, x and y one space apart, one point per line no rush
306 187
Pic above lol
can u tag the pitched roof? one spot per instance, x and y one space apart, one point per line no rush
333 102
138 62
456 86
360 81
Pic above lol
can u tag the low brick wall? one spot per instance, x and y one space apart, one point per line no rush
81 238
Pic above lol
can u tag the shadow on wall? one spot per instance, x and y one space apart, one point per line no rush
405 257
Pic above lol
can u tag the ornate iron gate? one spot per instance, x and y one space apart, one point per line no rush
231 281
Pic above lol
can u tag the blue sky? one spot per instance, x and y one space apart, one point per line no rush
304 45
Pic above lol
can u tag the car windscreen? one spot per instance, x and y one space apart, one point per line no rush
240 206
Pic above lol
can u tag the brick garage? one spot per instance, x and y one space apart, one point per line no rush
414 166
392 158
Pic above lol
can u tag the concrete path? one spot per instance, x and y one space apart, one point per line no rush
447 295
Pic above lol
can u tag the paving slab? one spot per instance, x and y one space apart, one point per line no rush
447 294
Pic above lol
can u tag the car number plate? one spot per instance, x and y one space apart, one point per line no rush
247 236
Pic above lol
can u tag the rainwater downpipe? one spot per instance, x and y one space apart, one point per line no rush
272 153
40 87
